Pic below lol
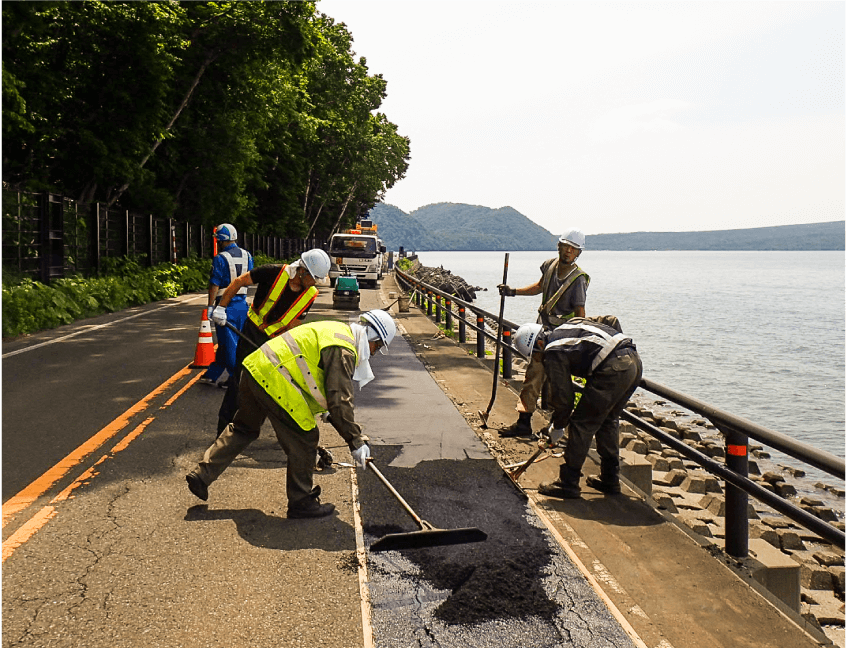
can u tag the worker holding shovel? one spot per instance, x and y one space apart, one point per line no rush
563 285
594 349
293 377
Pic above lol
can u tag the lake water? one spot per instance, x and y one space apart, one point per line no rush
758 334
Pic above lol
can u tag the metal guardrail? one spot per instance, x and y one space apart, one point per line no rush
737 431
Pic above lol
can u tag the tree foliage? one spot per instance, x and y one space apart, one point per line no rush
256 113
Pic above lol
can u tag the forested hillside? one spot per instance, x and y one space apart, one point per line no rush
450 226
256 113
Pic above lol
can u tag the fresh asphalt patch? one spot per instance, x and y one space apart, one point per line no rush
517 588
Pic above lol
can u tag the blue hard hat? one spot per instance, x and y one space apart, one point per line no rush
226 232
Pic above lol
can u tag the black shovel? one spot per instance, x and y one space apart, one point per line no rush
484 415
428 536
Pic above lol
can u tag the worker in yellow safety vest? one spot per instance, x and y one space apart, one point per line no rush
284 295
290 380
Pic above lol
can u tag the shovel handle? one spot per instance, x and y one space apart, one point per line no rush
519 471
498 342
409 510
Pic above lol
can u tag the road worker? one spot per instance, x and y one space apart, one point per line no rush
230 263
595 349
290 379
563 285
284 295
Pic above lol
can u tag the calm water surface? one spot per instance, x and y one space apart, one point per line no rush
758 334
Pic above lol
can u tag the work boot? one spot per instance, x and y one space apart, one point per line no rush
310 506
197 486
522 427
608 480
565 487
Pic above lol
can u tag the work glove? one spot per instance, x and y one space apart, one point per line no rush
506 291
217 314
554 435
361 456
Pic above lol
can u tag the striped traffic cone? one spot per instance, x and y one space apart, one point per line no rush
204 355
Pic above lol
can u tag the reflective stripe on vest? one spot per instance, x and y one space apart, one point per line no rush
606 343
287 368
236 268
258 315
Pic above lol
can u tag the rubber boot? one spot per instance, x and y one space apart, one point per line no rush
565 487
522 427
608 480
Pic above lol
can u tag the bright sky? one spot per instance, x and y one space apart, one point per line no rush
614 117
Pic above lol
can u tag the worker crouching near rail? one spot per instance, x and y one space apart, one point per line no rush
597 350
290 379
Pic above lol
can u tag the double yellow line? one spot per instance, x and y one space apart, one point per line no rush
42 484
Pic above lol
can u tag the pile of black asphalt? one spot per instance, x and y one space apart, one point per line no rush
516 588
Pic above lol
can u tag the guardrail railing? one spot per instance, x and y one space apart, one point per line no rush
736 430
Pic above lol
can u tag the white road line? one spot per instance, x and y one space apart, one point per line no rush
88 329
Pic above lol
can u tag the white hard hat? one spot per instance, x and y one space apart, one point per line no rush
574 238
317 263
226 232
381 325
524 338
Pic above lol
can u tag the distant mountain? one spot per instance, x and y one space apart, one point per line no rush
812 236
451 226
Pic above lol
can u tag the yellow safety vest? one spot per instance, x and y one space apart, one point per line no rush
287 368
258 315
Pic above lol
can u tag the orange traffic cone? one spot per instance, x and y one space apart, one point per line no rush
204 355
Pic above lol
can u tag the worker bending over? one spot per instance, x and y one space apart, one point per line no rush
284 295
564 287
594 349
290 379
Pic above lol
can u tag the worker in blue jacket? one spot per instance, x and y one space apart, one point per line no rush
229 264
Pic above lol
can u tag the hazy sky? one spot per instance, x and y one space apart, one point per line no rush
614 117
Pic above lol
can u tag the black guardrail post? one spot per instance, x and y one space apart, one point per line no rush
737 501
506 352
429 303
462 325
480 336
437 309
448 309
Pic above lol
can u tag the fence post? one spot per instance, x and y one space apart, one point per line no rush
506 352
437 309
448 309
737 501
152 246
480 336
429 303
95 240
462 325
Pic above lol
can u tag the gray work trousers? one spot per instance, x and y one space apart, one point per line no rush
598 412
254 407
532 385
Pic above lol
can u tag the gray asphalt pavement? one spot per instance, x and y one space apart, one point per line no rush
105 546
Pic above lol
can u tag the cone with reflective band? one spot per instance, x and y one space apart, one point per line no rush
204 355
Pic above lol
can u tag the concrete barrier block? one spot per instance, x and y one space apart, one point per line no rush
637 470
665 501
815 577
694 484
790 540
658 462
775 571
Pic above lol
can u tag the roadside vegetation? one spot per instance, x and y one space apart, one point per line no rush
30 306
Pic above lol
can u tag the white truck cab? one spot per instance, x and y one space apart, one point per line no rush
358 253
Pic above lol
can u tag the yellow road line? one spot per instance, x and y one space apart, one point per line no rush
42 484
31 526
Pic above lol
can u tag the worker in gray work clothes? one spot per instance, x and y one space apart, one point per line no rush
564 286
595 349
303 372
